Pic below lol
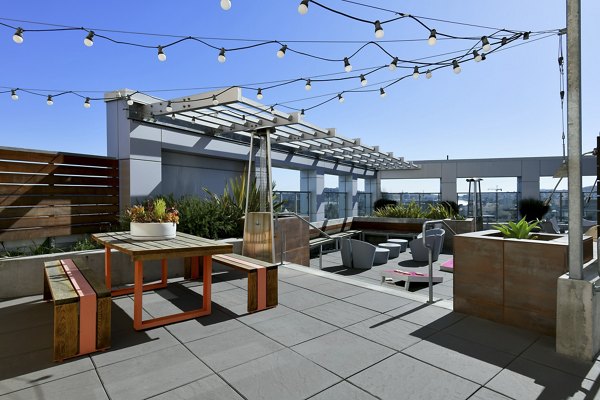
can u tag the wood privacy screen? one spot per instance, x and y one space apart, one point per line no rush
45 194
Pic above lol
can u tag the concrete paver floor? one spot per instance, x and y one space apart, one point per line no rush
342 338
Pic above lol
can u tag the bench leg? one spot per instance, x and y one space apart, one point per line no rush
107 276
47 294
272 290
66 331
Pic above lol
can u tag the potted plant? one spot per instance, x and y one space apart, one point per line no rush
153 220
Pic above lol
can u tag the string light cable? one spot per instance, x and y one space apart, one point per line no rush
375 87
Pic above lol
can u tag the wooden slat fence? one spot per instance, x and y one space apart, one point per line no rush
44 194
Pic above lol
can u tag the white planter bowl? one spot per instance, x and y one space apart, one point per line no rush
153 230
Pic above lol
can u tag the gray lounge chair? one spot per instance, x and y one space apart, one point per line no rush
363 254
346 250
434 239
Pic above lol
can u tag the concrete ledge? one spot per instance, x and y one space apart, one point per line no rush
578 315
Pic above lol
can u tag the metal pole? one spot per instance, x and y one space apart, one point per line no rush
574 137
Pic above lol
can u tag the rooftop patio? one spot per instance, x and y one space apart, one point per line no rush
331 337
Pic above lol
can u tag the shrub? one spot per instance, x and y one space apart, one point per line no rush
519 230
210 218
532 209
410 210
381 203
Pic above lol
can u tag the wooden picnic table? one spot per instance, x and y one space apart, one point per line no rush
197 248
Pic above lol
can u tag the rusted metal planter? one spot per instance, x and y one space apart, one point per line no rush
511 281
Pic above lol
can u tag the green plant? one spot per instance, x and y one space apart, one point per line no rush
152 211
410 210
381 203
518 230
85 244
533 209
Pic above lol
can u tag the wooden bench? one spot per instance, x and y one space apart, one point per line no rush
82 309
262 279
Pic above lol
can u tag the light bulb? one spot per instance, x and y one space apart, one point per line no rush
363 80
259 94
303 7
49 100
18 36
225 4
394 64
308 86
169 108
221 57
14 95
340 98
382 93
173 116
482 56
302 112
129 100
432 37
456 67
526 35
378 30
347 65
194 120
161 55
87 103
89 39
428 74
416 72
281 52
476 56
214 100
485 43
504 41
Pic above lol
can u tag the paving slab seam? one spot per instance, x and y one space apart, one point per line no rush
208 366
355 282
99 377
491 390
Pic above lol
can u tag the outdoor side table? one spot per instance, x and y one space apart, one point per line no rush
394 248
402 242
200 250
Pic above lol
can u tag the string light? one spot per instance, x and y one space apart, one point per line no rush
214 100
18 36
225 4
382 93
173 116
302 112
129 100
221 57
456 67
476 56
378 30
308 86
482 56
394 64
428 74
14 95
169 108
161 54
504 41
281 52
415 74
432 37
363 80
340 98
259 94
347 65
303 7
193 120
485 43
49 101
526 35
87 103
89 39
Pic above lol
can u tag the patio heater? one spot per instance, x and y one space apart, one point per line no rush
258 225
474 206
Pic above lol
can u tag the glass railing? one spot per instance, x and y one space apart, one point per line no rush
422 199
297 202
365 203
559 205
496 206
335 204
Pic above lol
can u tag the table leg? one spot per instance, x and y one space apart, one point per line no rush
206 283
195 269
164 272
107 277
138 292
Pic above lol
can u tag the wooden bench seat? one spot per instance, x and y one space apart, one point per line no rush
82 309
262 279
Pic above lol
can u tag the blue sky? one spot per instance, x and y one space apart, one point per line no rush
504 107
